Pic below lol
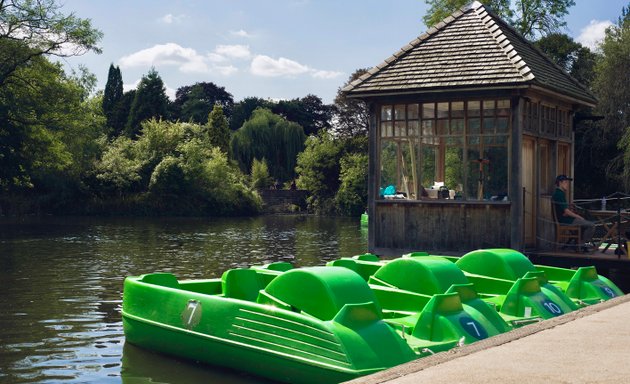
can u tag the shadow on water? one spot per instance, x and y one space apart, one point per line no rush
62 286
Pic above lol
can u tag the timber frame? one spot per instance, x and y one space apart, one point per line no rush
471 58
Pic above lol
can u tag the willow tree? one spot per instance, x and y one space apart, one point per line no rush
269 136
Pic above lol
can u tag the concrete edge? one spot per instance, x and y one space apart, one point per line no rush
504 338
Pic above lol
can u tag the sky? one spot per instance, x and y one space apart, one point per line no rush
272 49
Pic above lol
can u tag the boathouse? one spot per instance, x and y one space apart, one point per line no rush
469 125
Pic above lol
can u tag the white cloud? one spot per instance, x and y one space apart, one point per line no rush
186 60
266 66
233 51
164 54
592 35
326 74
241 33
170 18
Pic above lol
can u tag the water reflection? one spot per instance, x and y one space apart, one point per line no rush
62 281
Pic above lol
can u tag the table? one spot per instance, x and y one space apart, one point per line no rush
614 223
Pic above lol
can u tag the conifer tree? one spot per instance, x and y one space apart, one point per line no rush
149 102
112 96
218 129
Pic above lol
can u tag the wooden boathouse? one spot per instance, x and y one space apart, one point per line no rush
469 126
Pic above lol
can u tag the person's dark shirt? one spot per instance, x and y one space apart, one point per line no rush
559 200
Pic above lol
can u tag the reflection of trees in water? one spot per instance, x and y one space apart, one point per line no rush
62 288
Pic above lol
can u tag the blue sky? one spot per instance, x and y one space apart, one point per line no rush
276 49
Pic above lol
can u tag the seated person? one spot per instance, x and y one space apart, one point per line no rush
566 215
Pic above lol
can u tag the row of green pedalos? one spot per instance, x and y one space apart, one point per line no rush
353 317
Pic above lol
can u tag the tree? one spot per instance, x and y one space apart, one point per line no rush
194 103
150 101
271 137
218 130
112 96
530 18
351 198
612 87
33 28
351 116
571 56
243 110
45 123
309 112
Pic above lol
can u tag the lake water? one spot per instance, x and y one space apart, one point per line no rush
61 286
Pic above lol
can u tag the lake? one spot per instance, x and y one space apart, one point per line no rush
62 282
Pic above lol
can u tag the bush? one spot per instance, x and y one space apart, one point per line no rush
351 197
260 175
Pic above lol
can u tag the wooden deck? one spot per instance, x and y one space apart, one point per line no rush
607 263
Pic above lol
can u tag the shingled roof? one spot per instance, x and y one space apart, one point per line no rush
472 49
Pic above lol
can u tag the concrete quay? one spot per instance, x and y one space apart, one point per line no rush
591 345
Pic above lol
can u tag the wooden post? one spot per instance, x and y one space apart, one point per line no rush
373 182
516 182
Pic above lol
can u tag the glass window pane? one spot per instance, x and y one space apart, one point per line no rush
457 127
474 126
474 140
407 178
400 129
442 110
474 108
413 128
413 111
428 110
428 128
442 127
386 113
503 107
502 125
453 163
457 109
472 181
399 112
488 107
496 174
428 156
388 168
488 125
387 130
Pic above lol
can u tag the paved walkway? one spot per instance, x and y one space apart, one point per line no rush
591 345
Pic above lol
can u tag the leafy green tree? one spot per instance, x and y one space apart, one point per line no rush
46 125
119 168
34 28
612 87
195 102
351 116
243 110
260 178
309 112
271 137
351 198
111 98
150 101
319 171
218 130
530 18
571 56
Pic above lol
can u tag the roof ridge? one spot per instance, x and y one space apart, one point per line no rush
488 19
508 46
411 45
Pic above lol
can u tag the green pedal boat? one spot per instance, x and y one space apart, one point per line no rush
307 325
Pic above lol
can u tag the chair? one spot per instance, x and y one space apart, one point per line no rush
566 234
